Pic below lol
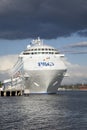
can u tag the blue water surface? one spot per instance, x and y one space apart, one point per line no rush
66 110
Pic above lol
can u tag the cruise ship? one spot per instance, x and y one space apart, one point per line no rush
41 67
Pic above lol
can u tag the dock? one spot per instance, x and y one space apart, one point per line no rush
11 93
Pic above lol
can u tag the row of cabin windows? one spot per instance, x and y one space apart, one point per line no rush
42 49
27 53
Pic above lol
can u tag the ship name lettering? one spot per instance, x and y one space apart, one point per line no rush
45 64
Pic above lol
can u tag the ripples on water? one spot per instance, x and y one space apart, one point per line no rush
64 111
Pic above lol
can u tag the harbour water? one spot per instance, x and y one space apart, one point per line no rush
66 110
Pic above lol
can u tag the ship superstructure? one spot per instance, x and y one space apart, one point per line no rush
41 67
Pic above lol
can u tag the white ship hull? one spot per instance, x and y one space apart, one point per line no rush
42 68
40 81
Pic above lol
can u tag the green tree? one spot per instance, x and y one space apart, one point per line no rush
0 84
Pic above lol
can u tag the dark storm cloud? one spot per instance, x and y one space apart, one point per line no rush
45 18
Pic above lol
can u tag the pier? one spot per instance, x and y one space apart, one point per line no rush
11 93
